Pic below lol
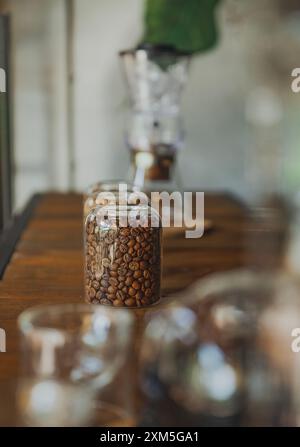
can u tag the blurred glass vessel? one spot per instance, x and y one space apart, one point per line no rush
70 353
225 356
155 75
77 342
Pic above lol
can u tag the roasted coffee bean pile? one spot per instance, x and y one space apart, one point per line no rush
122 265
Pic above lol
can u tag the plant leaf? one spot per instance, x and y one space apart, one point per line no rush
188 25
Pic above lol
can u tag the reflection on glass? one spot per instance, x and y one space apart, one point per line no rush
70 352
156 75
51 403
224 355
93 196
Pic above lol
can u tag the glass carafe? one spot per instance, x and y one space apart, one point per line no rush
154 133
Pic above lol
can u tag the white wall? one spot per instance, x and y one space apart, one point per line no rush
102 29
213 103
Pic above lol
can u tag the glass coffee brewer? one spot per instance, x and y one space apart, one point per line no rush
155 75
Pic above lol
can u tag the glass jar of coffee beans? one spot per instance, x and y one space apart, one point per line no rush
106 193
123 256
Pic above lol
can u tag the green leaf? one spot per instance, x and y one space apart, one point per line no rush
188 25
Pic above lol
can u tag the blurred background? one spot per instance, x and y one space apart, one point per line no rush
62 128
68 96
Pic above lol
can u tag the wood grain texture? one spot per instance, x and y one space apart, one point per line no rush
47 265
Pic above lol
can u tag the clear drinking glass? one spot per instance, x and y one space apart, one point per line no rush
70 352
224 355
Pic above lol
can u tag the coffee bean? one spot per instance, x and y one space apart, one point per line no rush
148 292
98 276
113 281
146 274
123 239
136 285
96 285
139 295
117 303
122 264
92 292
120 295
140 253
112 289
123 248
104 283
91 251
133 266
131 291
90 228
128 281
118 255
121 271
109 238
105 262
137 274
127 258
143 265
130 302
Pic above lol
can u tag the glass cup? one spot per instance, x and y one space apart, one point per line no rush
71 352
224 355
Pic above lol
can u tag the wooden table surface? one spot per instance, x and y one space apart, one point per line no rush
47 265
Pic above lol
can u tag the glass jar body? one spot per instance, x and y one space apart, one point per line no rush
106 193
122 259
